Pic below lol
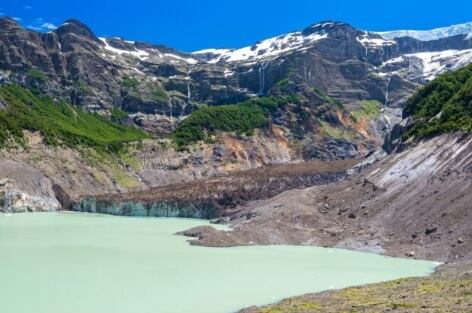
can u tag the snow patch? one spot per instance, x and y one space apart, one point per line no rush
187 60
366 40
140 54
435 63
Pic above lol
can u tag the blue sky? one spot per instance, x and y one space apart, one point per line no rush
191 25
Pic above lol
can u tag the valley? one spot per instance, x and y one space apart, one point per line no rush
330 136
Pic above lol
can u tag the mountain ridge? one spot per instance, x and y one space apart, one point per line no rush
325 64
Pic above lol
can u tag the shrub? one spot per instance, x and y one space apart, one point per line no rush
159 94
118 115
130 82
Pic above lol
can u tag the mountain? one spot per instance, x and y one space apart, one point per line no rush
350 84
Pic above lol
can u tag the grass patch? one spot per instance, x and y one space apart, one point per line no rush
369 109
125 180
131 160
335 132
130 82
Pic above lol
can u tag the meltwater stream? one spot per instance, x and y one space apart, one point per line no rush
79 263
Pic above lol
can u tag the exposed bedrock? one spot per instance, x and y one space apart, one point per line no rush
23 189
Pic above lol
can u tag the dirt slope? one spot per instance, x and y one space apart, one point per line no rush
415 203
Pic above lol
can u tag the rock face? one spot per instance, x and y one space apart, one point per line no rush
24 189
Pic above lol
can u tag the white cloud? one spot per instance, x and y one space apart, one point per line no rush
16 19
27 7
48 26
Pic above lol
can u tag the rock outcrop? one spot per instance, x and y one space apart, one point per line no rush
24 189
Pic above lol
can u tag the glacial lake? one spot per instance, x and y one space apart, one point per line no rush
84 263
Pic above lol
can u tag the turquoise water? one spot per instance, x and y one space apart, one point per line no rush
79 263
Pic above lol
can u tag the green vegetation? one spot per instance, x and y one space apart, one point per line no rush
240 118
59 123
283 83
442 106
285 86
336 132
369 109
118 115
38 75
83 87
160 94
445 294
271 104
327 98
130 82
237 118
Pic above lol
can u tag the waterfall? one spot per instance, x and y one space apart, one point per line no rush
305 70
386 92
366 48
262 79
307 73
189 93
170 106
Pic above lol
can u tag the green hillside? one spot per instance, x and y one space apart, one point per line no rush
59 123
444 105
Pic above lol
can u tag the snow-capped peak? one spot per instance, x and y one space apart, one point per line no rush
268 48
427 35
